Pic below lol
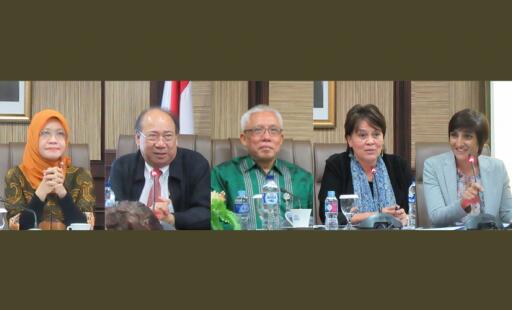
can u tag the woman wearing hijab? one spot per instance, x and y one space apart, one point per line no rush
380 180
45 182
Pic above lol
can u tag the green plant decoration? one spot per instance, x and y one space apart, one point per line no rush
221 217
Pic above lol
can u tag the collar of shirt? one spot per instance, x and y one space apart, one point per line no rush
174 170
251 164
148 169
148 184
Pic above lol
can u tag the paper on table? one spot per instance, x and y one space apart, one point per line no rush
442 228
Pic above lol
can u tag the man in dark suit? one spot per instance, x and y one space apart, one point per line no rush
181 197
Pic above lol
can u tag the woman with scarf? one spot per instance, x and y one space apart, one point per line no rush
45 182
380 180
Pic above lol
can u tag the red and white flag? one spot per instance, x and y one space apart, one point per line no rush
177 99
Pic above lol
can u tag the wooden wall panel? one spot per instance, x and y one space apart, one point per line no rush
202 99
434 103
13 132
467 94
78 101
230 100
124 100
294 100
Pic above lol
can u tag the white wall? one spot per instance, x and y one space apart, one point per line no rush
501 122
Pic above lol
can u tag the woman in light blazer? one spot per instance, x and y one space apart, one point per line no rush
453 189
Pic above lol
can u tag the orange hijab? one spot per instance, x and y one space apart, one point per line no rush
33 164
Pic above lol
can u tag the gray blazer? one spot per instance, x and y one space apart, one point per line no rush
440 186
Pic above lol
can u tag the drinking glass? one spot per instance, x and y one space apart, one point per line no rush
349 205
3 217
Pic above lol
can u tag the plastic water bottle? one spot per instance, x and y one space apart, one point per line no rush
331 211
242 210
110 197
412 205
270 192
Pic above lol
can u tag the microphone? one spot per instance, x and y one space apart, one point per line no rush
24 209
61 166
374 172
471 160
154 174
287 195
483 221
379 220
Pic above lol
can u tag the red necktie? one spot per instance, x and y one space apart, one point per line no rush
155 175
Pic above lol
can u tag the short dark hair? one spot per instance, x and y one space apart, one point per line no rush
138 121
131 215
473 121
368 112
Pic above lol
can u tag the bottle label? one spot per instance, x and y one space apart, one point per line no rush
412 193
270 198
241 208
330 207
412 197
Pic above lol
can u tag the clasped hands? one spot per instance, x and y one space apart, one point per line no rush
52 182
161 210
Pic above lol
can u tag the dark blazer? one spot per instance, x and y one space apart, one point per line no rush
338 177
189 185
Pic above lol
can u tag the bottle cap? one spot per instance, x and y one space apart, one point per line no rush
241 193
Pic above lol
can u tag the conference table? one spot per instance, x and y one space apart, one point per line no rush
311 226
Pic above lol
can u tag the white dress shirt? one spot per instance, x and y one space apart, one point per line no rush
164 189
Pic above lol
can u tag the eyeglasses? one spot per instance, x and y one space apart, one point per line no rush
154 137
47 134
260 131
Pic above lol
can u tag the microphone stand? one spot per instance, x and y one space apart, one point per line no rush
379 220
471 160
51 218
61 166
374 172
24 209
482 220
283 190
